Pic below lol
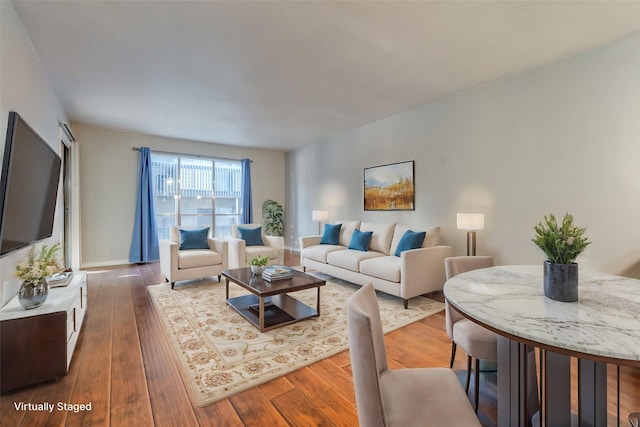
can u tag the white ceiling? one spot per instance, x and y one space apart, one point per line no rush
282 74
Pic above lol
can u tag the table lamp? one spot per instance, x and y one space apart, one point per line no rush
319 216
471 222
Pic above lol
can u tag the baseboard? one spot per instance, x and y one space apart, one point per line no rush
112 263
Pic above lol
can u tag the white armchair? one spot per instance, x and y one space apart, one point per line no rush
187 264
240 253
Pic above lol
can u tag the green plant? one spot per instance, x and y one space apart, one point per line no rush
272 213
34 267
561 243
259 261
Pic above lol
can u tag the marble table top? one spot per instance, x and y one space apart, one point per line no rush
604 324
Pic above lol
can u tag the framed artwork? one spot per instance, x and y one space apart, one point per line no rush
389 187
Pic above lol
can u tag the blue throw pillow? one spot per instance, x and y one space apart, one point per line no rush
194 239
410 240
360 240
252 236
331 234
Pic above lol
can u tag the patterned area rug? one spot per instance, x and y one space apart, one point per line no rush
222 354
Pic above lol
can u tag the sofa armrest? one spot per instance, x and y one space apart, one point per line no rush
306 241
422 270
276 242
237 253
220 246
168 258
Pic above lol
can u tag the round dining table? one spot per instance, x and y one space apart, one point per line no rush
602 327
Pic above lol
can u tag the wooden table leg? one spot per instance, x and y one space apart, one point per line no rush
261 314
318 304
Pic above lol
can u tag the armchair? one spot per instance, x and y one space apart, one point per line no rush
240 253
186 264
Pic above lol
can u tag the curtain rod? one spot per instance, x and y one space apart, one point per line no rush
191 155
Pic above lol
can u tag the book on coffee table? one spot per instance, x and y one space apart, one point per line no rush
277 272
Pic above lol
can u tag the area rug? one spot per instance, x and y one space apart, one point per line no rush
222 354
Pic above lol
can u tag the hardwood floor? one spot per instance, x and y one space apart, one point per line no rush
125 368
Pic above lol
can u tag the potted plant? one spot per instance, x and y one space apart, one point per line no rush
561 243
272 213
258 263
33 271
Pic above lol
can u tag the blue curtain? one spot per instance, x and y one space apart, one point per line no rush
247 205
144 245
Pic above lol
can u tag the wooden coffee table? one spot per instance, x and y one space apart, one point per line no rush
269 306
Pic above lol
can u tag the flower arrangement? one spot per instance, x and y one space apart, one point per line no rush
561 243
259 261
34 267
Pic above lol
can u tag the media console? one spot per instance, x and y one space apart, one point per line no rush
37 345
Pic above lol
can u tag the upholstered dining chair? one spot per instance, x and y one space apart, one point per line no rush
478 342
401 397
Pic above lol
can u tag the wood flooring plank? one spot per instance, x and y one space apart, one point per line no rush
129 391
93 385
170 402
275 387
254 409
339 379
219 414
299 411
333 405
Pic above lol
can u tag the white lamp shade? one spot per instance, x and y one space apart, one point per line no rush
319 215
470 221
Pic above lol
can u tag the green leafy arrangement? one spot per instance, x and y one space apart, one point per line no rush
562 243
272 213
34 267
259 261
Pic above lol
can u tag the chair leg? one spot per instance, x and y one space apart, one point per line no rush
476 385
466 387
454 346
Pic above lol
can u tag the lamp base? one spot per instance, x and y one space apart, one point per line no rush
471 243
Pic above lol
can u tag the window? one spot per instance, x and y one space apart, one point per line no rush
196 192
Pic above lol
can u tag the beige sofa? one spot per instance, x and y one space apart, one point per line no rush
414 272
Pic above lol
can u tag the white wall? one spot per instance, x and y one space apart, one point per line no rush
108 175
562 138
25 88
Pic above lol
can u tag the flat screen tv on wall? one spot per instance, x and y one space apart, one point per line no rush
28 187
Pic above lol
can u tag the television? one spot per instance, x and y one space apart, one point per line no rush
28 187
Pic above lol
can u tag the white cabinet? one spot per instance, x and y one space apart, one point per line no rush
37 345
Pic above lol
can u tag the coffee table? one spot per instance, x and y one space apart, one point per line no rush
269 306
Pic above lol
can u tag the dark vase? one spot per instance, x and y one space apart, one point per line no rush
561 281
33 294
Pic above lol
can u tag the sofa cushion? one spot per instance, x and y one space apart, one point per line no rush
319 252
432 237
252 236
386 268
410 240
360 240
194 239
350 259
331 234
264 251
198 258
382 235
346 231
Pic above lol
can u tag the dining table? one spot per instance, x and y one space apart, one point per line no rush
535 387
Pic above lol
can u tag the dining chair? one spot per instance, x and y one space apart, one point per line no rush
478 342
400 397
